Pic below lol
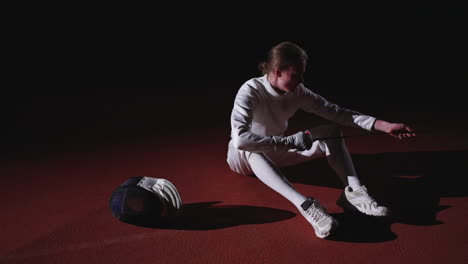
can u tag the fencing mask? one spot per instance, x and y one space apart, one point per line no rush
145 199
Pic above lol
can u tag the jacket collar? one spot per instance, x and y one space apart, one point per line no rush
270 89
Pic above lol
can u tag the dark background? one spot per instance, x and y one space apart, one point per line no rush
100 76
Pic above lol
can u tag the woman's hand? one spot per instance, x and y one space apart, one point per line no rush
397 130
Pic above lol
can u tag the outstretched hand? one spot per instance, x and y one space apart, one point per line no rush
397 130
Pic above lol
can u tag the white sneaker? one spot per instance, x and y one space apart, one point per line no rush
361 201
316 214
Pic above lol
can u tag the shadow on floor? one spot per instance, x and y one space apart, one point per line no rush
209 216
409 183
359 228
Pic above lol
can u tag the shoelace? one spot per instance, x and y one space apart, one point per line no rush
373 202
315 212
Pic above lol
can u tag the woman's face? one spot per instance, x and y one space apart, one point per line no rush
291 77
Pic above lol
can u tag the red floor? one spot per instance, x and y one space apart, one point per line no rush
55 207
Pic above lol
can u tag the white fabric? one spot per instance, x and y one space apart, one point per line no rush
164 189
260 113
266 165
269 174
354 182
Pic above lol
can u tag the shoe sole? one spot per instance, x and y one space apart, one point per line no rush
332 229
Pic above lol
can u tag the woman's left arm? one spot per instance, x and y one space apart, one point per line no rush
313 103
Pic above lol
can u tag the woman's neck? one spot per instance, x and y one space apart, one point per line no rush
273 85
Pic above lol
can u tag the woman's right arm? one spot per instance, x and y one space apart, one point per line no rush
244 139
241 123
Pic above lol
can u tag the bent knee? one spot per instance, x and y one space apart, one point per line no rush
326 131
332 140
335 130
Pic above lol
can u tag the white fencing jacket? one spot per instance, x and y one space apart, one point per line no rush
259 112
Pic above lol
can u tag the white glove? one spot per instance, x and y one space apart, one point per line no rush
166 192
301 141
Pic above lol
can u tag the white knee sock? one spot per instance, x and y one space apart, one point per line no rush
341 162
270 174
354 182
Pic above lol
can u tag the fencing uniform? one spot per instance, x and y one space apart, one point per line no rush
260 112
258 146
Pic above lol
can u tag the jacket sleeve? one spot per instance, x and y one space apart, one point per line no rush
313 103
241 123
